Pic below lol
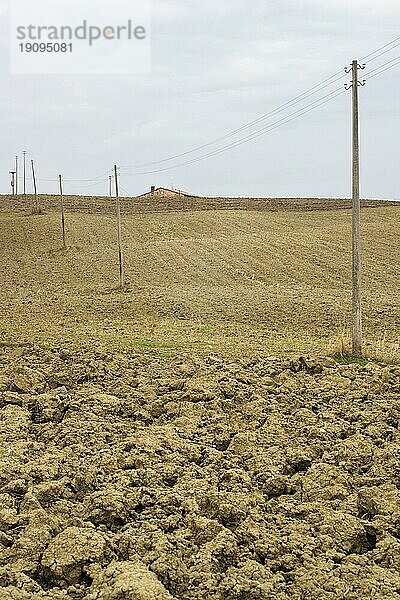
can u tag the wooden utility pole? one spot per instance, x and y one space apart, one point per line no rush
12 173
110 185
356 225
62 212
16 175
119 232
35 188
24 153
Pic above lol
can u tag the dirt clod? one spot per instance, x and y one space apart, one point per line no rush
153 478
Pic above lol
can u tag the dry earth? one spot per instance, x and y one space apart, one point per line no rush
128 477
152 448
276 280
155 204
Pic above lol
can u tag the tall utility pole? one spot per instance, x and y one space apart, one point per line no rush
35 188
16 175
119 232
24 153
62 211
356 225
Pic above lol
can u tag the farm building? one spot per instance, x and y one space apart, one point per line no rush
162 192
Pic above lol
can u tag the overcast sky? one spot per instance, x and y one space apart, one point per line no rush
216 65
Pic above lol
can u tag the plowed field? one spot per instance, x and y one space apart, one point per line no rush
187 438
274 280
131 477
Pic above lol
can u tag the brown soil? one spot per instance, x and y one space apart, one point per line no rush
232 281
155 204
128 477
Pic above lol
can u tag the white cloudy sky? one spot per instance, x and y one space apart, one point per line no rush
217 64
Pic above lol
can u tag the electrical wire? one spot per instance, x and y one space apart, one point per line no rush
382 71
308 93
377 71
92 182
91 185
124 190
97 178
383 65
382 53
379 49
300 98
255 135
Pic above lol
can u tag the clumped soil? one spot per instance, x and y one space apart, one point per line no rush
134 477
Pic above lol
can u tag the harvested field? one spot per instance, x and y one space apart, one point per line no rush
129 477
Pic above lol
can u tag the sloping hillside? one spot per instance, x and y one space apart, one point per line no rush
232 281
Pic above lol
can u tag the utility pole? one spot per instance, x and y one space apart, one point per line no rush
62 211
356 224
110 185
12 173
35 188
119 232
24 153
16 175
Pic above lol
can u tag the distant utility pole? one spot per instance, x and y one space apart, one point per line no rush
24 153
119 232
35 188
356 225
12 173
62 211
16 175
110 185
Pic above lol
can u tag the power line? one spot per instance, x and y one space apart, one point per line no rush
257 133
308 93
379 49
280 123
384 52
300 98
90 185
97 178
383 65
254 135
124 190
382 71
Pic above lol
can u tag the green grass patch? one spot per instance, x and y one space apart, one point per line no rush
344 359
